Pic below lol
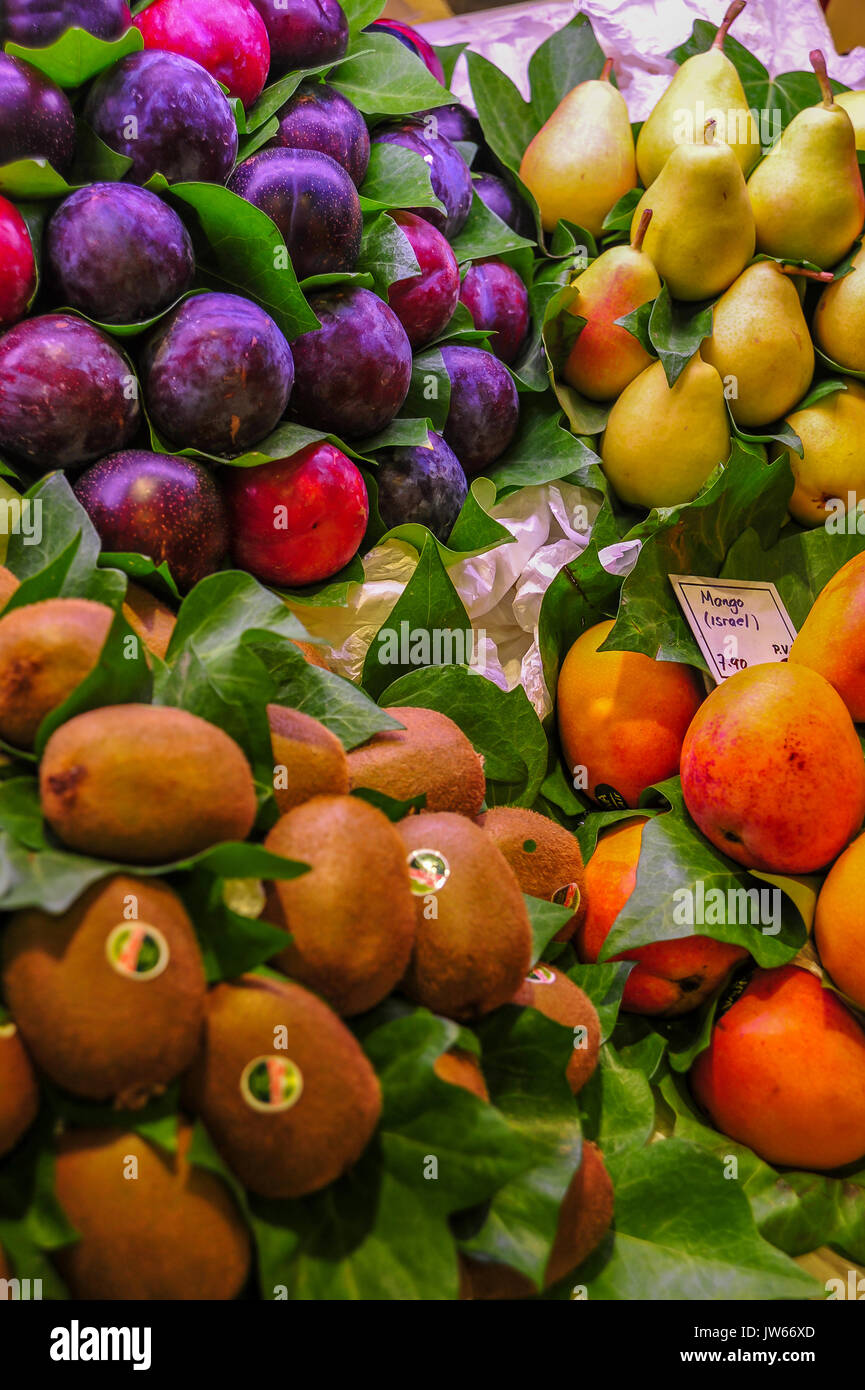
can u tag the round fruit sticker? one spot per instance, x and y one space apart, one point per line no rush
428 870
541 975
271 1084
568 895
137 950
7 1030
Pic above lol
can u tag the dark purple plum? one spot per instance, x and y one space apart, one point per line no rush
484 408
502 199
497 299
303 33
66 394
36 120
425 303
413 41
169 509
217 374
118 253
320 118
313 202
426 485
352 374
449 173
455 123
167 115
36 23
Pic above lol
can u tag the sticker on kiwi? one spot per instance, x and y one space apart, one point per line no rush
609 798
428 870
736 987
271 1084
541 975
7 1030
568 896
137 951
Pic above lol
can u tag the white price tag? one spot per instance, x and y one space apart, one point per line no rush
737 622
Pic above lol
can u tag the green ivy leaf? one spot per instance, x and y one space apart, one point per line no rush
77 55
397 178
568 57
388 80
385 252
676 330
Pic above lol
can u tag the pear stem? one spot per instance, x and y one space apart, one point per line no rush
606 70
818 63
824 276
733 12
709 132
640 233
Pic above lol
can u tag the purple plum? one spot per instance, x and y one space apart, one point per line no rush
36 120
66 394
455 123
217 374
118 253
313 202
449 173
170 509
426 485
167 115
484 407
36 23
425 303
497 299
320 118
502 199
303 33
352 373
413 41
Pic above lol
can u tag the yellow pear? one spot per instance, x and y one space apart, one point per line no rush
830 477
606 356
581 161
706 87
807 195
701 235
760 341
854 105
846 20
661 442
839 320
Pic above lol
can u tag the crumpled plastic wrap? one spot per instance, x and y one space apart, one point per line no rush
502 589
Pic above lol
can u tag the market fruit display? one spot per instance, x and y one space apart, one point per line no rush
396 963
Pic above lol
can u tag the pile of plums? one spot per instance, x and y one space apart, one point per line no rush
214 375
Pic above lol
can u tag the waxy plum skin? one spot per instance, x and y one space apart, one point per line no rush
168 508
184 126
449 174
318 117
502 199
423 485
484 407
118 253
228 38
217 374
37 23
497 299
413 41
18 281
313 202
352 374
424 303
303 33
36 119
67 395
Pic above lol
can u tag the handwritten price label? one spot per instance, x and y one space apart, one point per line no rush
737 622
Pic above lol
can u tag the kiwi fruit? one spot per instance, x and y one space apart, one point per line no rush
473 943
351 917
152 620
431 755
284 1089
152 1224
108 996
544 856
46 650
8 585
309 760
145 784
585 1216
19 1091
558 998
461 1068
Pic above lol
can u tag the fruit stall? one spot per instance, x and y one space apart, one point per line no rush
432 653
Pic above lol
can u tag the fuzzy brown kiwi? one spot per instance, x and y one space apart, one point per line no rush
431 755
473 943
145 784
461 1068
544 856
152 620
46 650
555 996
288 1116
152 1225
585 1216
309 760
19 1089
108 996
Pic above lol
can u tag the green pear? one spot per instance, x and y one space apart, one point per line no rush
839 320
854 105
701 235
581 162
662 442
706 87
807 194
830 475
760 345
